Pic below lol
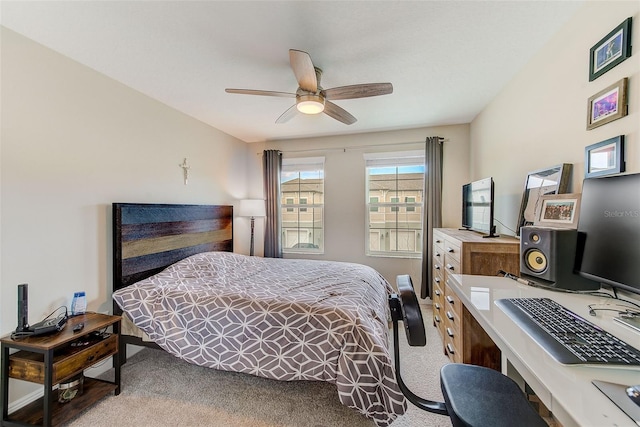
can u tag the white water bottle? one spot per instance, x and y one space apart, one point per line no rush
79 303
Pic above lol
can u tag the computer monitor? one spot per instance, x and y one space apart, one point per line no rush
609 223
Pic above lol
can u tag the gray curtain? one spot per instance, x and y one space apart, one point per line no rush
271 167
432 209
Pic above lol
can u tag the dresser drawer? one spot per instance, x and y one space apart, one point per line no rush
438 299
452 250
438 240
438 256
453 348
452 302
453 319
452 266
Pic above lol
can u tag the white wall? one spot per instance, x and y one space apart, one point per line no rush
539 119
73 142
344 195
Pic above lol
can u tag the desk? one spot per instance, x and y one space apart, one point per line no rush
565 390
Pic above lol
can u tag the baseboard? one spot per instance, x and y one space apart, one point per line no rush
25 400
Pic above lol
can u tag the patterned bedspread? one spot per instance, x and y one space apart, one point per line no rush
284 319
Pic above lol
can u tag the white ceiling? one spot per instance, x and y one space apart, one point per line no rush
445 59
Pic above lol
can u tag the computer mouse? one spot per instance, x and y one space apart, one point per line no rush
634 394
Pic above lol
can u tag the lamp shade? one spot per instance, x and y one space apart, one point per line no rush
252 208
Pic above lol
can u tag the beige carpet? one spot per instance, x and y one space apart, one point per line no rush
161 390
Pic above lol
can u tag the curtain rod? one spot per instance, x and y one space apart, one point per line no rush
354 147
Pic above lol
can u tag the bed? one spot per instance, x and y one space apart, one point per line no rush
177 280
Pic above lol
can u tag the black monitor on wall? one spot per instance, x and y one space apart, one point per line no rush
477 206
609 223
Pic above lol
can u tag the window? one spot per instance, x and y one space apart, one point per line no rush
373 204
408 201
302 205
394 200
395 183
289 201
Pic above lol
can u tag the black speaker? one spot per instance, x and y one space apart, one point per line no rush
549 256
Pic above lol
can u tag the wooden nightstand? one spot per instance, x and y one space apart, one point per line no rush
56 358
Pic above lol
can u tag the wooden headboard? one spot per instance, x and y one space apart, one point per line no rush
149 237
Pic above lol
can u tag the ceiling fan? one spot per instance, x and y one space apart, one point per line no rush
311 98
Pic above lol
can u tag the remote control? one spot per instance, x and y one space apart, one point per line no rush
78 327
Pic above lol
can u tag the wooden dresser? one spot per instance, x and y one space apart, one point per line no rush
466 252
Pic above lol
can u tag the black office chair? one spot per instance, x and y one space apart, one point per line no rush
473 395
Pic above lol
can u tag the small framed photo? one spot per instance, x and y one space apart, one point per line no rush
559 211
604 158
614 48
607 105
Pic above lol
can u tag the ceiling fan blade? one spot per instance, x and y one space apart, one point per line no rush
358 91
287 115
261 92
338 113
304 70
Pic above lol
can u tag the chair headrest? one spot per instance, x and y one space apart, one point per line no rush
411 314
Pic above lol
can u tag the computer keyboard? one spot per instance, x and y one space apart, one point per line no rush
567 337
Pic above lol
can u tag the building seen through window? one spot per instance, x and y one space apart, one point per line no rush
302 205
395 188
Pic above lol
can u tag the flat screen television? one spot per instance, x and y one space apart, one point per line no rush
477 206
609 227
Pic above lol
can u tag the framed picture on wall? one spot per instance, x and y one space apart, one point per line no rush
543 182
611 50
604 158
607 105
559 211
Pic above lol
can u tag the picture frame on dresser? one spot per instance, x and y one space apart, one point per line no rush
538 183
608 105
604 158
611 50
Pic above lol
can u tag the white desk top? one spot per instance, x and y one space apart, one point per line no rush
566 390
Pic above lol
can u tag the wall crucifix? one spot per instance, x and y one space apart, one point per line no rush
185 170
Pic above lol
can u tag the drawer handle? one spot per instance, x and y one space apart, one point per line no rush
437 318
438 241
437 254
437 306
450 332
450 250
436 267
450 300
450 267
450 349
437 291
449 315
437 280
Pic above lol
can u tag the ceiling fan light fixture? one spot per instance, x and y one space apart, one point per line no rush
310 104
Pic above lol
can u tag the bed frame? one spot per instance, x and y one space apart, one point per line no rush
147 238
